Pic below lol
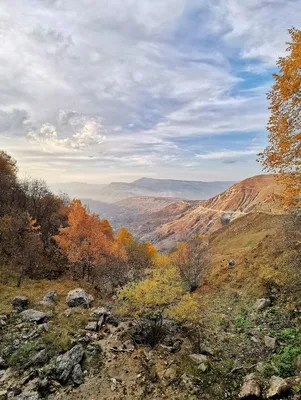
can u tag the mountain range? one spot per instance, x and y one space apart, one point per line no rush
117 191
166 220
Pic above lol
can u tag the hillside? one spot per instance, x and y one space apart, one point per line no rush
179 221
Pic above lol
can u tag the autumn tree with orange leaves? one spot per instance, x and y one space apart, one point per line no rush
283 155
86 241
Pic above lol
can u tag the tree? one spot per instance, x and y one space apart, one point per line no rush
21 248
86 240
283 155
192 260
149 301
8 182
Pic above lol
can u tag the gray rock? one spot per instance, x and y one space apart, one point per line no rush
66 362
77 376
202 360
270 342
97 313
92 326
261 304
3 364
250 388
30 396
79 298
40 358
34 316
50 295
231 263
20 303
199 358
277 386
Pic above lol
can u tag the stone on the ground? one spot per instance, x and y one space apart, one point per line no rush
250 387
170 374
92 326
50 295
79 298
34 316
202 360
277 386
66 362
270 342
77 376
97 313
261 304
40 358
3 319
231 263
199 358
30 396
19 303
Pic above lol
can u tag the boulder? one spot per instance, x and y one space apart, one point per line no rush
19 303
77 376
34 316
261 304
66 362
250 388
277 387
270 342
79 298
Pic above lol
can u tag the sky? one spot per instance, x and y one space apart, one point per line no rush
112 90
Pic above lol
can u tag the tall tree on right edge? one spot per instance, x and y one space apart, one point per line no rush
283 154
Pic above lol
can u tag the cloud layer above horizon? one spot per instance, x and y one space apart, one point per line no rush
99 90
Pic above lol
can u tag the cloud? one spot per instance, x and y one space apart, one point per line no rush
89 135
216 155
117 83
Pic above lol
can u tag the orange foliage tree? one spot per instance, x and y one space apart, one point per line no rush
86 241
283 155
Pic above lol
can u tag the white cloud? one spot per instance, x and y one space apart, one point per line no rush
88 136
116 83
219 155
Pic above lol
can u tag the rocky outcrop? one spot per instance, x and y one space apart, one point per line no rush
79 298
68 365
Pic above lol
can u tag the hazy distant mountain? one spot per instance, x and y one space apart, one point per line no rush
78 189
191 190
117 191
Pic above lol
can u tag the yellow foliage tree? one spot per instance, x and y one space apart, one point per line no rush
152 299
283 155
